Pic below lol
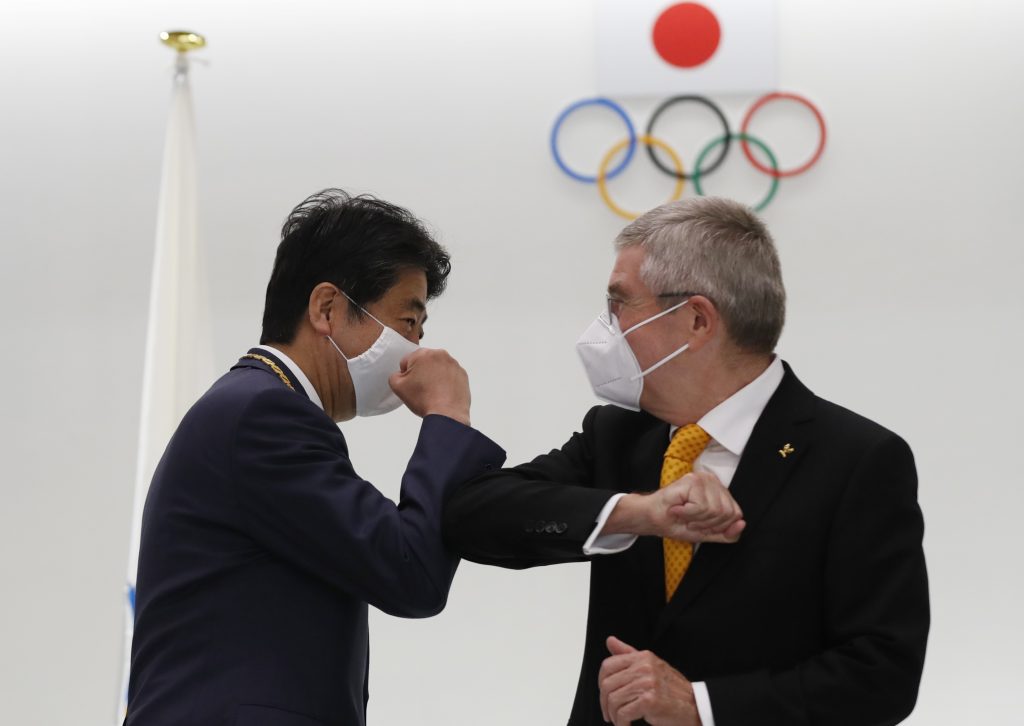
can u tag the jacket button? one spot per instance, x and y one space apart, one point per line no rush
561 527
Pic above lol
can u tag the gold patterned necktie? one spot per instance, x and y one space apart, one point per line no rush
685 447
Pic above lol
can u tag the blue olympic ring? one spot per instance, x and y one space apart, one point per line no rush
593 102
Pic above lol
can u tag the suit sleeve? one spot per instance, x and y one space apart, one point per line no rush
538 513
876 613
302 500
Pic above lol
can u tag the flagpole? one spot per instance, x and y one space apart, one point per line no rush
178 362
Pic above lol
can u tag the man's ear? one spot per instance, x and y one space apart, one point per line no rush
705 322
322 303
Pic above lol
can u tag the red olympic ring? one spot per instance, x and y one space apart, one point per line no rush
783 172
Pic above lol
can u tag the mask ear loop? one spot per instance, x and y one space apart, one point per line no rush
362 308
667 358
651 319
660 363
331 340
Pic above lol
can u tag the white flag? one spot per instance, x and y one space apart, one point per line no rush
179 359
665 48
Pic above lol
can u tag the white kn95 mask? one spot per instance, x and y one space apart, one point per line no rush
371 369
611 366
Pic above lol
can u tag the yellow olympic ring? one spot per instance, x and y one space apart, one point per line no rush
602 172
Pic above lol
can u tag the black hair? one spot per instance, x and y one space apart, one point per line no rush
360 244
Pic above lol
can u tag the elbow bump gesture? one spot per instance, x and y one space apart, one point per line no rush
698 508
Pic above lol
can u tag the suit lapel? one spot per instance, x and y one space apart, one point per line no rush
773 452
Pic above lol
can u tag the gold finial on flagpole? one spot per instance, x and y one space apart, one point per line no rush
182 40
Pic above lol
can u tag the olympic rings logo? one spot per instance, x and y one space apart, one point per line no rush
722 143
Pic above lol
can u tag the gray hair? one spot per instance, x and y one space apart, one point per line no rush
720 249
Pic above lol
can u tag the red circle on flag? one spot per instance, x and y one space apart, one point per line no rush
686 35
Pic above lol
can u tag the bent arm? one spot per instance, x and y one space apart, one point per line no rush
538 513
575 502
303 501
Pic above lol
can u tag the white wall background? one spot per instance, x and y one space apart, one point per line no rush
902 253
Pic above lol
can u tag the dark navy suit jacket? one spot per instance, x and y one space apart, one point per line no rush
818 615
261 548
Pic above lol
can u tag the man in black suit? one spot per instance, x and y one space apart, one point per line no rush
819 614
261 545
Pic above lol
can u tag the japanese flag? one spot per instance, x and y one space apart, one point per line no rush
661 47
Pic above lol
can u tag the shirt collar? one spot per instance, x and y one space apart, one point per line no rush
307 385
731 422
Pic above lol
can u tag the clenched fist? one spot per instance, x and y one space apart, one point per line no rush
431 381
697 508
694 508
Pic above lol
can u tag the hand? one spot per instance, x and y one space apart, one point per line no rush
638 684
431 381
695 508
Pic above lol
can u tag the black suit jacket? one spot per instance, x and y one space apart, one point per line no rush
818 615
261 548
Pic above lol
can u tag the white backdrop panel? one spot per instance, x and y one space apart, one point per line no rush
901 251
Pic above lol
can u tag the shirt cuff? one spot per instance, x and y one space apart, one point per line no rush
607 544
700 695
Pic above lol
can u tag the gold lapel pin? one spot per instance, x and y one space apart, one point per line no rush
786 450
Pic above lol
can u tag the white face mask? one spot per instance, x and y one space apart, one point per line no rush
611 366
371 370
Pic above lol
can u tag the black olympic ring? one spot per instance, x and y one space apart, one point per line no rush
726 132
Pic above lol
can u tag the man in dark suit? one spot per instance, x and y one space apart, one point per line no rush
261 545
819 614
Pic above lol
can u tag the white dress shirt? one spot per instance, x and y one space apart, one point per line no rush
729 424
